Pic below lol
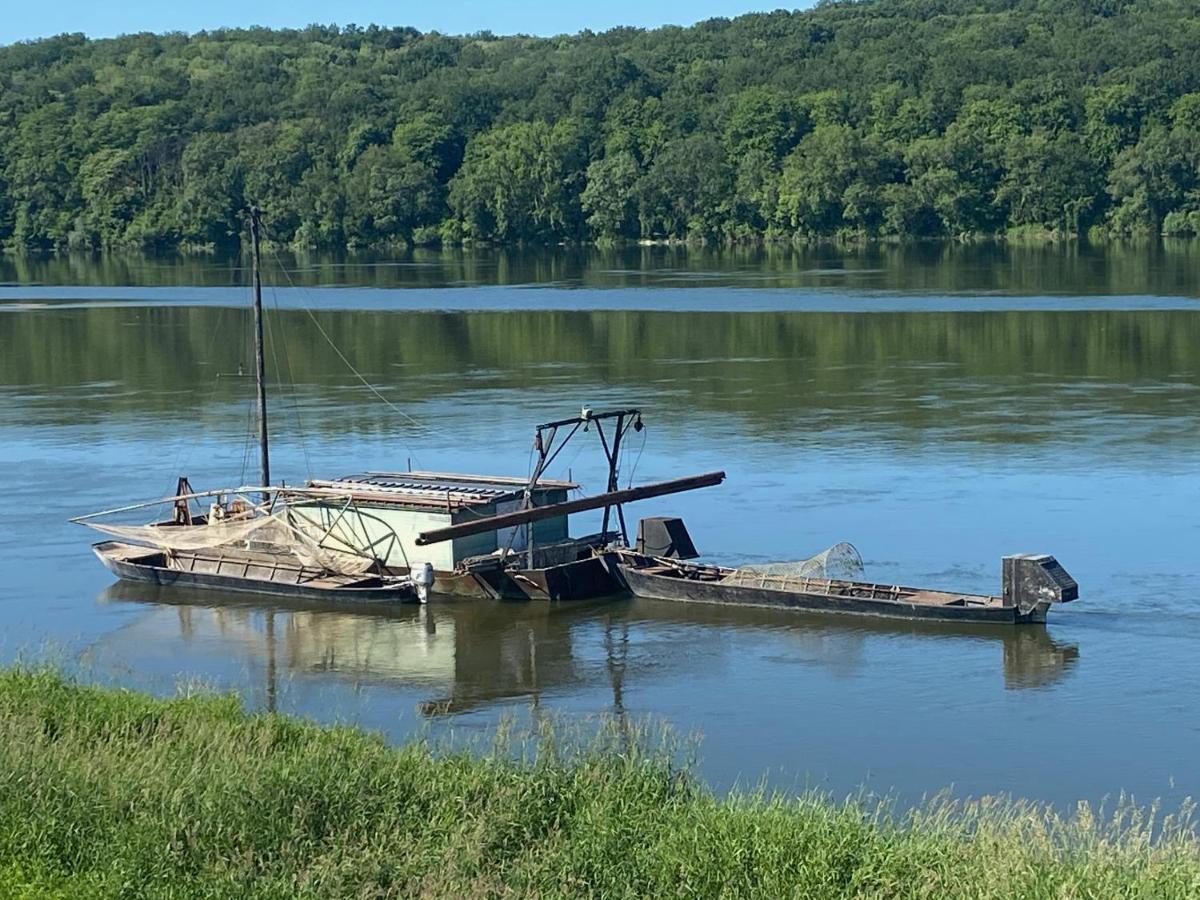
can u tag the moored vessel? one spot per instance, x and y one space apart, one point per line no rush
657 568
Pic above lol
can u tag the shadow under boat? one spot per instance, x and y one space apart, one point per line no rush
467 656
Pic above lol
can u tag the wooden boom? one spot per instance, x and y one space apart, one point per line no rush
612 498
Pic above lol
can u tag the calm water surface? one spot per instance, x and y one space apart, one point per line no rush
937 407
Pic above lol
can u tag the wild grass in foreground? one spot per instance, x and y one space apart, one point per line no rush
106 793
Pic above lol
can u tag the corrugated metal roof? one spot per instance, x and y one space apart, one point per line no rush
406 482
434 488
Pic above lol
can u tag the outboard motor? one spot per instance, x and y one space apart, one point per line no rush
421 577
1031 580
665 536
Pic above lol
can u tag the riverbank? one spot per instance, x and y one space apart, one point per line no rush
112 793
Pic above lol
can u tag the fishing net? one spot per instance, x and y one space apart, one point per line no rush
279 532
841 562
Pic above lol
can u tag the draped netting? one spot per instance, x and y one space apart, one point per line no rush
841 562
275 533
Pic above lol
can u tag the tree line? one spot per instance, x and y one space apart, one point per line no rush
889 118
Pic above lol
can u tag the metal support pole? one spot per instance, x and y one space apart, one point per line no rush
260 364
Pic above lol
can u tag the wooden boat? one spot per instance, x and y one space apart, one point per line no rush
247 571
555 569
1031 583
240 545
268 548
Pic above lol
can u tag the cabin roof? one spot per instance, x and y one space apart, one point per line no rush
434 489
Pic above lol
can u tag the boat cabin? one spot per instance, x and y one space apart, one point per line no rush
387 510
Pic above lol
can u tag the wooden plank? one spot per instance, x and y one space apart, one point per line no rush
611 498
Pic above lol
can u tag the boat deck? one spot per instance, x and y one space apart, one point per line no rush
830 587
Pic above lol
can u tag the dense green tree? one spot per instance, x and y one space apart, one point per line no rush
1048 181
833 180
889 117
212 190
1147 181
519 181
610 198
685 190
389 195
765 121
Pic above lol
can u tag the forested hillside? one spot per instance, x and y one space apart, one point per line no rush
892 117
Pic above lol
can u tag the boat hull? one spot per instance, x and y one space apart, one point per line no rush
662 587
583 579
144 569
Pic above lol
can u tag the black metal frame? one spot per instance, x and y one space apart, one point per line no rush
544 442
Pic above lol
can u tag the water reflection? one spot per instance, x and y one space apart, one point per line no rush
1158 267
1030 657
461 657
1016 378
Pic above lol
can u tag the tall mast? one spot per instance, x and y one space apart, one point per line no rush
260 366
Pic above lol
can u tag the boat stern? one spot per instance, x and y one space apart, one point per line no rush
1033 581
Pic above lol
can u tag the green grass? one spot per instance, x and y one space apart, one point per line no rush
107 793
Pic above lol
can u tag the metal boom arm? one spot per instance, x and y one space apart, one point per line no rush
611 498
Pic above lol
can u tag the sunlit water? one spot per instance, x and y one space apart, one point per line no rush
936 410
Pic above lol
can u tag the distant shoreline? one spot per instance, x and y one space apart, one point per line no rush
1032 239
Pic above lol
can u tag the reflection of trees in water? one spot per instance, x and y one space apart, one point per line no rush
788 375
470 655
1167 267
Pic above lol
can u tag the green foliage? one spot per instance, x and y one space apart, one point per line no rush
834 180
956 118
388 195
107 793
610 197
685 189
519 182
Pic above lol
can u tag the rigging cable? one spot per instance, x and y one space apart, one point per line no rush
251 407
290 382
637 459
349 365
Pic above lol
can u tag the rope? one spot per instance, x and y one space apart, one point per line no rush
637 459
349 365
248 437
290 383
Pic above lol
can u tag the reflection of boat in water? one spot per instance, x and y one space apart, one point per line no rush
1030 657
464 656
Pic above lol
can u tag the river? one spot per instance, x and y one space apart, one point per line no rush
936 405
